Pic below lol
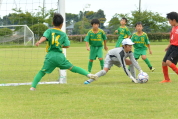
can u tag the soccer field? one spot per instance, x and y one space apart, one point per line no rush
113 96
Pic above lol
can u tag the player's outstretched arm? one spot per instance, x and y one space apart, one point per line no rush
42 39
65 46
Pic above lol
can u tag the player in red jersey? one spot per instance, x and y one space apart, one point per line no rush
171 57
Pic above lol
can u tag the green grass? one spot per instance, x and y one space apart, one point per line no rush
113 96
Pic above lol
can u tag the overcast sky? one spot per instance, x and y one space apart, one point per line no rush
110 7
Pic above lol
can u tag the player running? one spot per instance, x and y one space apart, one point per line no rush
95 38
117 56
171 56
56 40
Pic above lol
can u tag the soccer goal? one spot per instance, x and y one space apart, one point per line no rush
16 34
20 60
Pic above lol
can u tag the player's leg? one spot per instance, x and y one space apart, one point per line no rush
100 56
101 62
48 67
98 74
146 60
90 64
107 65
165 67
93 55
82 71
37 79
172 60
65 64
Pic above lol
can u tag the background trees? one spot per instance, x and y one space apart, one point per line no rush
152 21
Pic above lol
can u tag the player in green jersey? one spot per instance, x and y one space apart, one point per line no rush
141 45
123 32
56 40
96 38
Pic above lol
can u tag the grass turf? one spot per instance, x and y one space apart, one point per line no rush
113 96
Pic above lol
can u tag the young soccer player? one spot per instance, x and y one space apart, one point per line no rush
56 40
123 32
171 57
95 38
141 45
118 56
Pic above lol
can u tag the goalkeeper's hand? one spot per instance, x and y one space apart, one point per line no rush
133 79
140 71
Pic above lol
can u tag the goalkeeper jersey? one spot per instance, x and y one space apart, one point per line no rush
119 55
55 40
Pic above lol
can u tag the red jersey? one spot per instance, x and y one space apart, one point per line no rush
174 36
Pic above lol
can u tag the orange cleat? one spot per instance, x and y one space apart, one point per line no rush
165 81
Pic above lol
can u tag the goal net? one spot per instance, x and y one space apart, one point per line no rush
16 35
22 23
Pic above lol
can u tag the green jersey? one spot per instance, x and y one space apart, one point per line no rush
95 39
56 39
123 32
141 42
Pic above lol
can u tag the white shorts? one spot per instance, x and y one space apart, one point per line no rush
110 61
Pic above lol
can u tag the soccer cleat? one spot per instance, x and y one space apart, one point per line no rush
152 69
32 89
165 81
92 76
86 82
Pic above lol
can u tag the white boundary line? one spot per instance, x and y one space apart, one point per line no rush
18 84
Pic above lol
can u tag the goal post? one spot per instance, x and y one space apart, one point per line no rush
19 32
19 60
61 10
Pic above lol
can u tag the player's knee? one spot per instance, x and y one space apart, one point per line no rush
143 57
91 60
168 62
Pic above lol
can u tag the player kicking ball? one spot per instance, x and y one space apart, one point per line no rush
56 40
117 56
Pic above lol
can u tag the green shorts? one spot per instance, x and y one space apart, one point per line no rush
53 60
96 52
119 42
139 52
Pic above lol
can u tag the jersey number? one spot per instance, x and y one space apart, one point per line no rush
55 39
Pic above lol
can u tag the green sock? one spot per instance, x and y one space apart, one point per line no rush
101 63
37 78
90 64
147 62
79 70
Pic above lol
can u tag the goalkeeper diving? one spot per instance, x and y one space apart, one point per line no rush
118 57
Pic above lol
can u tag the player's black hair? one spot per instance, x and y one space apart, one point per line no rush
123 18
138 23
95 21
57 19
172 15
